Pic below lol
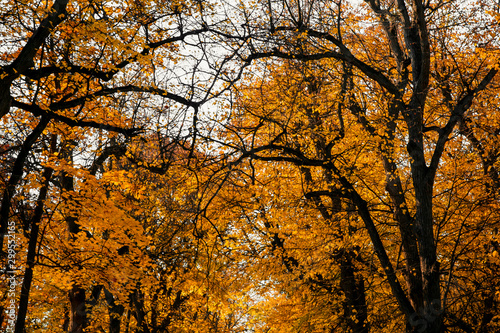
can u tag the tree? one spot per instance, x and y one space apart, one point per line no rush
354 186
79 80
386 131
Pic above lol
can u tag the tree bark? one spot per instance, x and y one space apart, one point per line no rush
32 252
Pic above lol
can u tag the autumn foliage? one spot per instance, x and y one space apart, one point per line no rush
239 166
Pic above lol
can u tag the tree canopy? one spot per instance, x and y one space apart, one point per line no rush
240 166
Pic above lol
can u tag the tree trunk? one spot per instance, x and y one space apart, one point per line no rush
78 314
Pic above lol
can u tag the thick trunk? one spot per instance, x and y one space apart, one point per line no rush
78 314
430 311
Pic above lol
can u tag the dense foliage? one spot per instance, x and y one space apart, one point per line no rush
268 166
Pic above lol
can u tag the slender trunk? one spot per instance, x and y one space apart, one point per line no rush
137 299
115 312
77 294
16 175
355 308
32 251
